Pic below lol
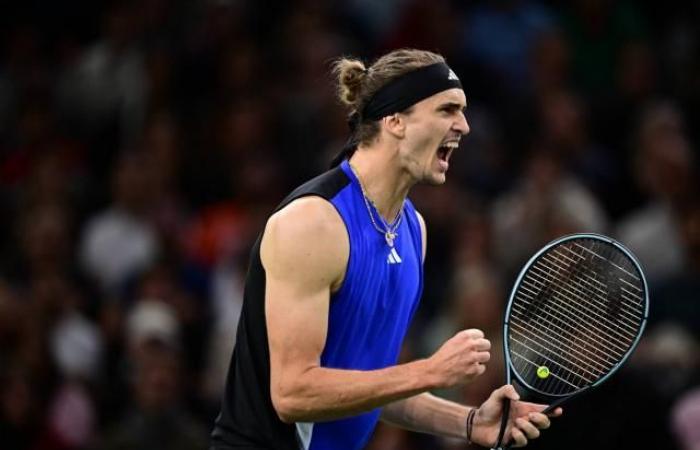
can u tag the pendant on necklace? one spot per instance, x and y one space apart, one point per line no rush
389 236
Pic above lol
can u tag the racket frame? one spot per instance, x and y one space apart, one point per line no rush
510 370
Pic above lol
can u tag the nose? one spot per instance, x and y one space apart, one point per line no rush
461 124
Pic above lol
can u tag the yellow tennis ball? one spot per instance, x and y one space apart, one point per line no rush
542 372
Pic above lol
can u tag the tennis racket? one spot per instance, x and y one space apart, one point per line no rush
575 314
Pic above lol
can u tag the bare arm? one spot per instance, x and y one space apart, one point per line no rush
304 252
427 413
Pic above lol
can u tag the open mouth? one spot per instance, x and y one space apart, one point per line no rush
446 149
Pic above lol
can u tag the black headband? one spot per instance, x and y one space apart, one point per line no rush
408 89
398 95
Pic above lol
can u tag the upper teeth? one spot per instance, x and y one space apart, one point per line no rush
451 144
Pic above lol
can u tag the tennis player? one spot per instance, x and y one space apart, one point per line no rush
335 279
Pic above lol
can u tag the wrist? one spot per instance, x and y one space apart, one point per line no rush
428 374
469 428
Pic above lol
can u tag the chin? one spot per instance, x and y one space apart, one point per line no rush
435 179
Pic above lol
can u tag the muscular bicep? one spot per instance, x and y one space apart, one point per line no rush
304 252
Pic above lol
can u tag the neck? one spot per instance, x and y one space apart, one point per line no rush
382 179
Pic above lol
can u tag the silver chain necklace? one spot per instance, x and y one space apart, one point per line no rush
389 231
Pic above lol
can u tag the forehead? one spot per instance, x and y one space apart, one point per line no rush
450 96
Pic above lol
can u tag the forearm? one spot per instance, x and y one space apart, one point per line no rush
427 413
321 393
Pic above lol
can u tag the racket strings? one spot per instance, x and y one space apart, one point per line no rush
591 312
561 307
590 281
557 327
577 311
590 358
588 284
595 312
618 260
586 280
562 340
581 373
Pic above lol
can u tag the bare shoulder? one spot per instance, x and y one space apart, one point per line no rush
306 234
308 218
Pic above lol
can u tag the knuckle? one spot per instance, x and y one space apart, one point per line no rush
474 333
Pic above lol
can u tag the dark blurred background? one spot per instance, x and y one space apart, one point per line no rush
143 144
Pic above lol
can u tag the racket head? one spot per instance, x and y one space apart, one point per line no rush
575 314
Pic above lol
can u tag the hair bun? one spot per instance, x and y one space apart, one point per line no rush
351 73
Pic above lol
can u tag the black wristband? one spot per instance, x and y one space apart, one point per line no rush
470 424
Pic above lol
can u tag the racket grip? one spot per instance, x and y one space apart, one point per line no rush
547 410
553 405
504 423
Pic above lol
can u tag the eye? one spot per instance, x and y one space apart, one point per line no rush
450 109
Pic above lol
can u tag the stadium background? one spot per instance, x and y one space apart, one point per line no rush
142 145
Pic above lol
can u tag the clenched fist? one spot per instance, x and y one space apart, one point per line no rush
460 359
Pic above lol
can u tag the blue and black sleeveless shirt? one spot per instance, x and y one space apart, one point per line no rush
368 319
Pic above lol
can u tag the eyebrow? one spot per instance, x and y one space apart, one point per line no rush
452 105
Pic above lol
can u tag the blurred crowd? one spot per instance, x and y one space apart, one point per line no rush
143 144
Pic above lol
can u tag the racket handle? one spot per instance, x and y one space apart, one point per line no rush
504 423
553 405
547 410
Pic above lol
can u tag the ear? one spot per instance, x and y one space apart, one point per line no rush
395 125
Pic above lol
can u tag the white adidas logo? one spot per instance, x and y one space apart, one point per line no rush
452 76
393 257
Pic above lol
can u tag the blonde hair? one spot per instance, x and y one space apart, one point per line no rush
358 83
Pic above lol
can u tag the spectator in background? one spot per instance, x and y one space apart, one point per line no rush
105 91
685 417
499 36
596 31
156 417
546 203
162 148
20 408
76 348
664 166
615 114
46 242
213 95
550 61
56 352
677 298
563 128
121 241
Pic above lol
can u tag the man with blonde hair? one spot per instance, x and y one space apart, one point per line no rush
337 274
